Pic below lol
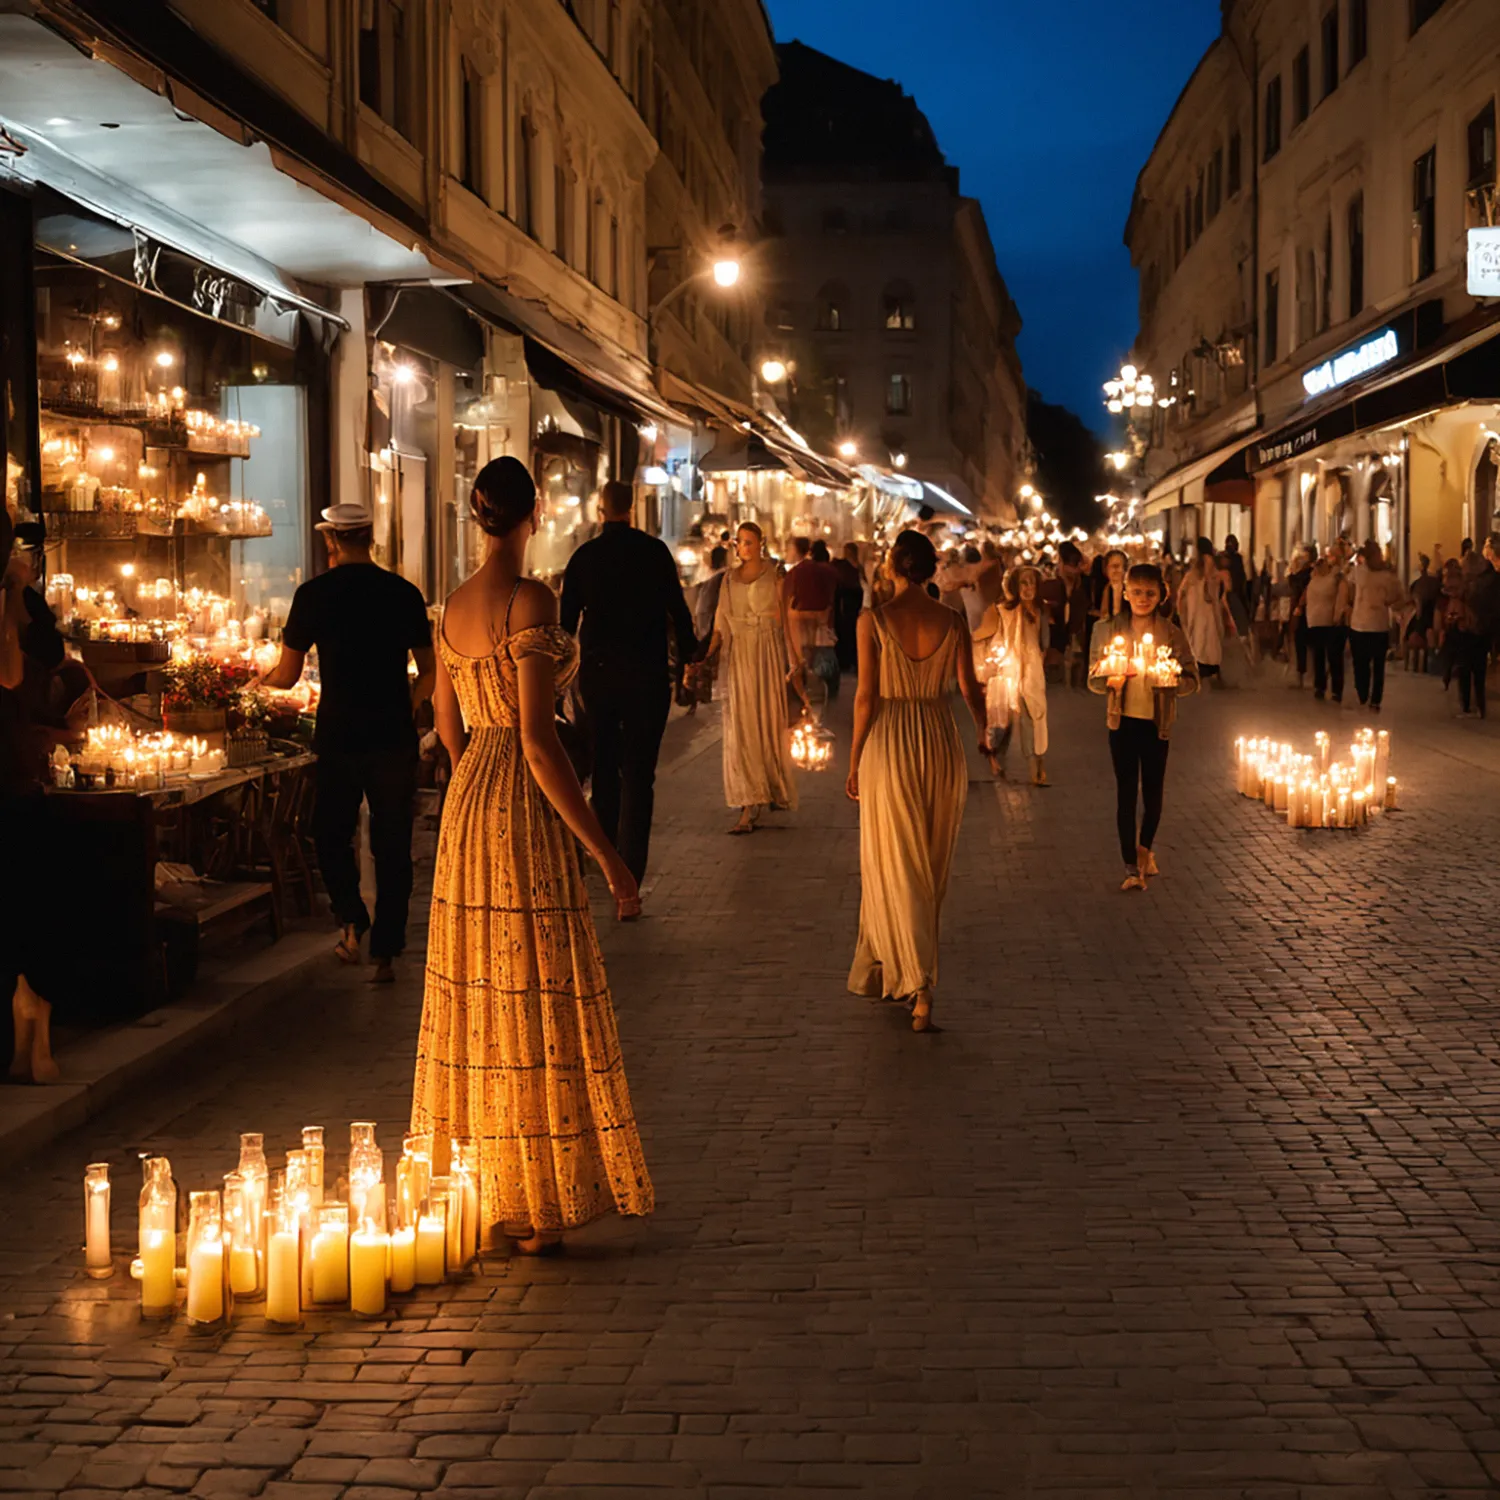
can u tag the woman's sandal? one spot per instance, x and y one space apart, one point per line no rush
1134 881
749 821
921 1013
346 950
1146 862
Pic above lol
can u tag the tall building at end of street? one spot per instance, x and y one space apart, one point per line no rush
1305 230
886 316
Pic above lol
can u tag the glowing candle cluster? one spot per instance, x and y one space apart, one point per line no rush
1316 791
116 757
1150 660
275 1237
812 746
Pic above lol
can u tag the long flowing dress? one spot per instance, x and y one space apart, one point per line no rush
1019 681
1200 606
757 744
913 782
518 1047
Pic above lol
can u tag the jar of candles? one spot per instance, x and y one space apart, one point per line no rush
366 1176
243 1235
208 1295
464 1176
432 1236
98 1260
326 1258
369 1265
283 1257
312 1144
158 1239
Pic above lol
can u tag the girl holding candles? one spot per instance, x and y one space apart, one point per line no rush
1010 647
518 1047
1142 688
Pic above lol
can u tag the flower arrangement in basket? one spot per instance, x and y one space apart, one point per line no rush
198 693
812 745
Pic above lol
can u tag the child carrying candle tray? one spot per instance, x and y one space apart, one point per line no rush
1010 647
1143 683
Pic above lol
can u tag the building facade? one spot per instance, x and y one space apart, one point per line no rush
1369 154
886 318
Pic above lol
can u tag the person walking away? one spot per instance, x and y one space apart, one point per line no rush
1235 601
620 598
1140 718
365 623
1204 611
811 589
1299 640
908 774
1375 591
847 603
1449 628
1324 604
1478 619
1074 637
1016 687
1425 590
752 632
1239 577
518 1048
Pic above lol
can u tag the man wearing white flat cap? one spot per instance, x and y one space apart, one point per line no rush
365 621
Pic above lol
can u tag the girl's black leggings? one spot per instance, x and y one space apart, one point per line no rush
1140 757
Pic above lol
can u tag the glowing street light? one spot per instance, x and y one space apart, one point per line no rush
773 371
848 449
727 272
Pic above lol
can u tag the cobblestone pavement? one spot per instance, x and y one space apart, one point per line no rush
1195 1195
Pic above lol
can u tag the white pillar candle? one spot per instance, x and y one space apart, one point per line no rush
158 1272
243 1278
205 1282
1390 794
404 1259
431 1245
283 1302
96 1252
330 1264
368 1252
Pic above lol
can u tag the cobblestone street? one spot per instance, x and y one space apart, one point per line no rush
1197 1193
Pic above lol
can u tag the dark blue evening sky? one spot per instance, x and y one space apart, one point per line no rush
1049 110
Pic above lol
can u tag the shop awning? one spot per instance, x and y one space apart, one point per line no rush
941 501
1465 368
737 452
1163 495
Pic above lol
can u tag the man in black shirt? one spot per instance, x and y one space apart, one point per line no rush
364 622
623 585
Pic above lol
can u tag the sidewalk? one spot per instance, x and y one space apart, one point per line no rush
1195 1195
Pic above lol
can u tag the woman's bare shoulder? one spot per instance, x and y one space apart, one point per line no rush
534 604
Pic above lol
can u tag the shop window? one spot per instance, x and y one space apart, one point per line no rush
1215 183
1236 152
389 57
1330 51
1424 216
1269 350
1479 204
1359 32
1273 118
1422 11
471 128
1356 247
833 302
898 395
1301 86
900 308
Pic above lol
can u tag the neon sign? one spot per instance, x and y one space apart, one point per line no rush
1349 365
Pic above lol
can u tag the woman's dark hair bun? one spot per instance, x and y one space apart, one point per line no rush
913 557
504 496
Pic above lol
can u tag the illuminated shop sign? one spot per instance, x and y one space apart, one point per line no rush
1379 349
1484 262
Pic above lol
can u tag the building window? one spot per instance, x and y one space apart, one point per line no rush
900 309
1215 183
1198 209
1236 152
1356 234
562 218
1359 32
1480 196
471 128
591 246
898 395
832 302
387 63
1325 284
1273 117
1424 216
1422 11
1177 239
841 409
525 163
1330 51
1187 219
1301 86
1270 352
1307 293
614 257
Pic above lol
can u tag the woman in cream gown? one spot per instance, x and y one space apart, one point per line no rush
908 774
751 628
518 1049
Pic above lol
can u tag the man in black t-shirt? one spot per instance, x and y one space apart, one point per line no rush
365 622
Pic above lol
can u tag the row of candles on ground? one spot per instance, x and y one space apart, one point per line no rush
1155 663
273 1238
812 746
118 756
1316 791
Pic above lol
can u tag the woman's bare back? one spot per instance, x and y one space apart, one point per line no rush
918 622
474 618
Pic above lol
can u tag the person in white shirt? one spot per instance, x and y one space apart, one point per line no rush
1325 606
1377 590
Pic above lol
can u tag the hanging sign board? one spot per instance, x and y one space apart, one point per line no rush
1484 262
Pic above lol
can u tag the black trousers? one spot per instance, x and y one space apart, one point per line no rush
627 708
1328 659
1139 754
1369 648
387 780
847 604
1471 660
1300 642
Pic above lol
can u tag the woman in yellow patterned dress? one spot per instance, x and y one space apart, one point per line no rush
518 1048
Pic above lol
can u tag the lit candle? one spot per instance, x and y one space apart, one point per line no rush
158 1273
368 1252
404 1259
431 1248
1391 804
283 1300
97 1259
330 1254
205 1282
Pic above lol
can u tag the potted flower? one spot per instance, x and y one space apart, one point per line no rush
198 693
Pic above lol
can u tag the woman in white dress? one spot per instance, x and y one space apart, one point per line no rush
1014 678
751 627
1204 611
